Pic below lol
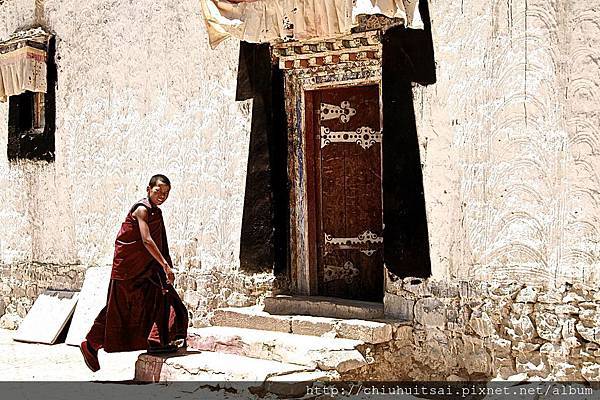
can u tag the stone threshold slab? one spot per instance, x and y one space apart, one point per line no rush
323 307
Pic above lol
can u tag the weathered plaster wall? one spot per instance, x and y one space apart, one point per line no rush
139 92
510 140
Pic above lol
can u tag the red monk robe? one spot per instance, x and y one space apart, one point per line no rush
143 311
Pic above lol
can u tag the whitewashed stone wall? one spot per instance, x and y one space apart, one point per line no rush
510 140
139 92
466 330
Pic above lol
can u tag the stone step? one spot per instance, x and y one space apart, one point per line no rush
314 352
232 373
323 307
251 317
255 317
208 366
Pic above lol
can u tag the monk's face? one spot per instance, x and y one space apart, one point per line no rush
159 193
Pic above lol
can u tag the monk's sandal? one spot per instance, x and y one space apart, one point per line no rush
90 356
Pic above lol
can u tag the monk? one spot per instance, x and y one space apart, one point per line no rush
143 310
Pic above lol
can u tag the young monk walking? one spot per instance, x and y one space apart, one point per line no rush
143 310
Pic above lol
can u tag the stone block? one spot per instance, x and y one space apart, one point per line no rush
548 326
528 294
10 308
31 291
10 321
573 298
522 308
551 296
524 347
553 354
522 328
482 325
510 290
468 290
5 289
498 345
18 292
583 290
443 289
191 299
398 307
341 361
475 358
544 307
566 372
314 326
430 312
21 310
591 372
532 365
571 343
503 366
393 283
366 331
404 334
591 334
240 300
589 317
323 307
251 317
568 328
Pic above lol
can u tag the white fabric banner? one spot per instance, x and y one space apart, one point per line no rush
275 20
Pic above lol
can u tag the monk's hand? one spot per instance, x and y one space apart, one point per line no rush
170 275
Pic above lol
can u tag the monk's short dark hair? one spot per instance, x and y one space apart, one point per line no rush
159 178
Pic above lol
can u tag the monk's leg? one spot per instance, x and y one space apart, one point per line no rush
95 337
171 320
178 317
159 334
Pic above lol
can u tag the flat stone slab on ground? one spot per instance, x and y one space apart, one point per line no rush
323 307
92 300
47 317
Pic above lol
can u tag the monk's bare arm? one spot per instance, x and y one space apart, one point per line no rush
141 214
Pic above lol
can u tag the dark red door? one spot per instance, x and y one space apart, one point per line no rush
343 126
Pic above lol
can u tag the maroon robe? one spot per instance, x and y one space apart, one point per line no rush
142 310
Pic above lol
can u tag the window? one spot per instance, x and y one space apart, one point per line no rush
31 119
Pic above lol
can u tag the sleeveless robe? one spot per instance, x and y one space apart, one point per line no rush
142 310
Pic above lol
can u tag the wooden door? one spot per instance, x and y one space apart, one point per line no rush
345 197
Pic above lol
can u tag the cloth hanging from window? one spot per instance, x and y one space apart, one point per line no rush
260 21
23 59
